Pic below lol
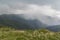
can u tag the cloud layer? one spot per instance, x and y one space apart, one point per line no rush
33 9
29 6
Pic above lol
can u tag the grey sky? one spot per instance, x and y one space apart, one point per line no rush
52 7
54 3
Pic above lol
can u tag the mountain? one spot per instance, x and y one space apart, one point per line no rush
19 22
55 28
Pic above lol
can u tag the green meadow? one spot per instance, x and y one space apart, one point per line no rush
43 34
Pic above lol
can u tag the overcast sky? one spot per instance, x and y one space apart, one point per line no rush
46 7
34 8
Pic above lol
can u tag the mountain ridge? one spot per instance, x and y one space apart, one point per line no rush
19 22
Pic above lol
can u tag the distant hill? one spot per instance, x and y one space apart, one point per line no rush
18 22
54 28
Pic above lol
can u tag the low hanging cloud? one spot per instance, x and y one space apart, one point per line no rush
29 9
33 9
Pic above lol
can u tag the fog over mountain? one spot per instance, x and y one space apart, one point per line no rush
19 22
46 11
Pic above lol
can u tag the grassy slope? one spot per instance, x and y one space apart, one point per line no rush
9 34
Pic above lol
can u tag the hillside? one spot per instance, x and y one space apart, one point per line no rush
18 22
7 34
55 28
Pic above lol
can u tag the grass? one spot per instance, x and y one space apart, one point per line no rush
9 34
